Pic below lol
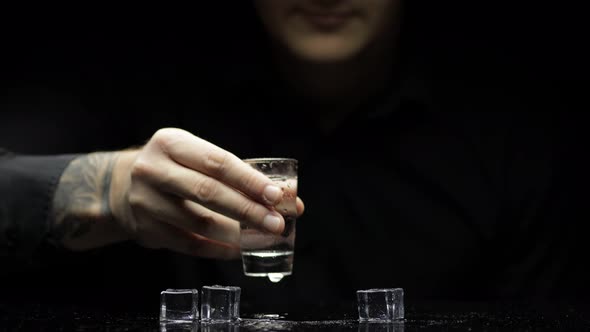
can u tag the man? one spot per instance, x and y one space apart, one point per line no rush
416 180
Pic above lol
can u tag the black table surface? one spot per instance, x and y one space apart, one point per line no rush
423 316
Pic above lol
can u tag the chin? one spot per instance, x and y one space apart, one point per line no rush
326 51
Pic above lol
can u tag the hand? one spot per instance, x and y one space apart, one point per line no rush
183 193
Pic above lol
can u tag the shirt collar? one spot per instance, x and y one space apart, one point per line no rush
413 87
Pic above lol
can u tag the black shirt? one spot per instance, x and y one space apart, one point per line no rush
449 190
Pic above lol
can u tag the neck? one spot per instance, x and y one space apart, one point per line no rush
335 90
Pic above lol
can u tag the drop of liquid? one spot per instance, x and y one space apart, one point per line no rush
275 277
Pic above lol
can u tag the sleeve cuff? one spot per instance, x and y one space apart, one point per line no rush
27 186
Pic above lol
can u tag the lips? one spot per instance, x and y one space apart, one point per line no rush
326 19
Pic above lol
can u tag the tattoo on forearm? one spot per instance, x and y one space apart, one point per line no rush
82 197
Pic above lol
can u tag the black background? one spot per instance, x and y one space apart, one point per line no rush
63 66
80 60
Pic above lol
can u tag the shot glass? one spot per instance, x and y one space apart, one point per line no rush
265 254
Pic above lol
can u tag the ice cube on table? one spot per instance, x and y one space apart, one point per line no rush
380 305
220 304
179 305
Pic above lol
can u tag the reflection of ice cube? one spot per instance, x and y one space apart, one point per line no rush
179 327
222 327
381 327
380 304
179 305
220 304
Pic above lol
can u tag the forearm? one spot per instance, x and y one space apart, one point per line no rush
81 215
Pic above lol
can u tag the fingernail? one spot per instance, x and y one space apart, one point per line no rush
272 222
272 194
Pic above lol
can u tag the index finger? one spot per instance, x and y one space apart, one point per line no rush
200 155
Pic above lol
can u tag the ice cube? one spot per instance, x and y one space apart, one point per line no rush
220 304
380 304
179 305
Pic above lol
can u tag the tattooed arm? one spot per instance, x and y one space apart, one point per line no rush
82 216
177 192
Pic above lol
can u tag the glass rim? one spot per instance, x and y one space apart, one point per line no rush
262 160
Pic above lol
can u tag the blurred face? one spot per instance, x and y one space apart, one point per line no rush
327 30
